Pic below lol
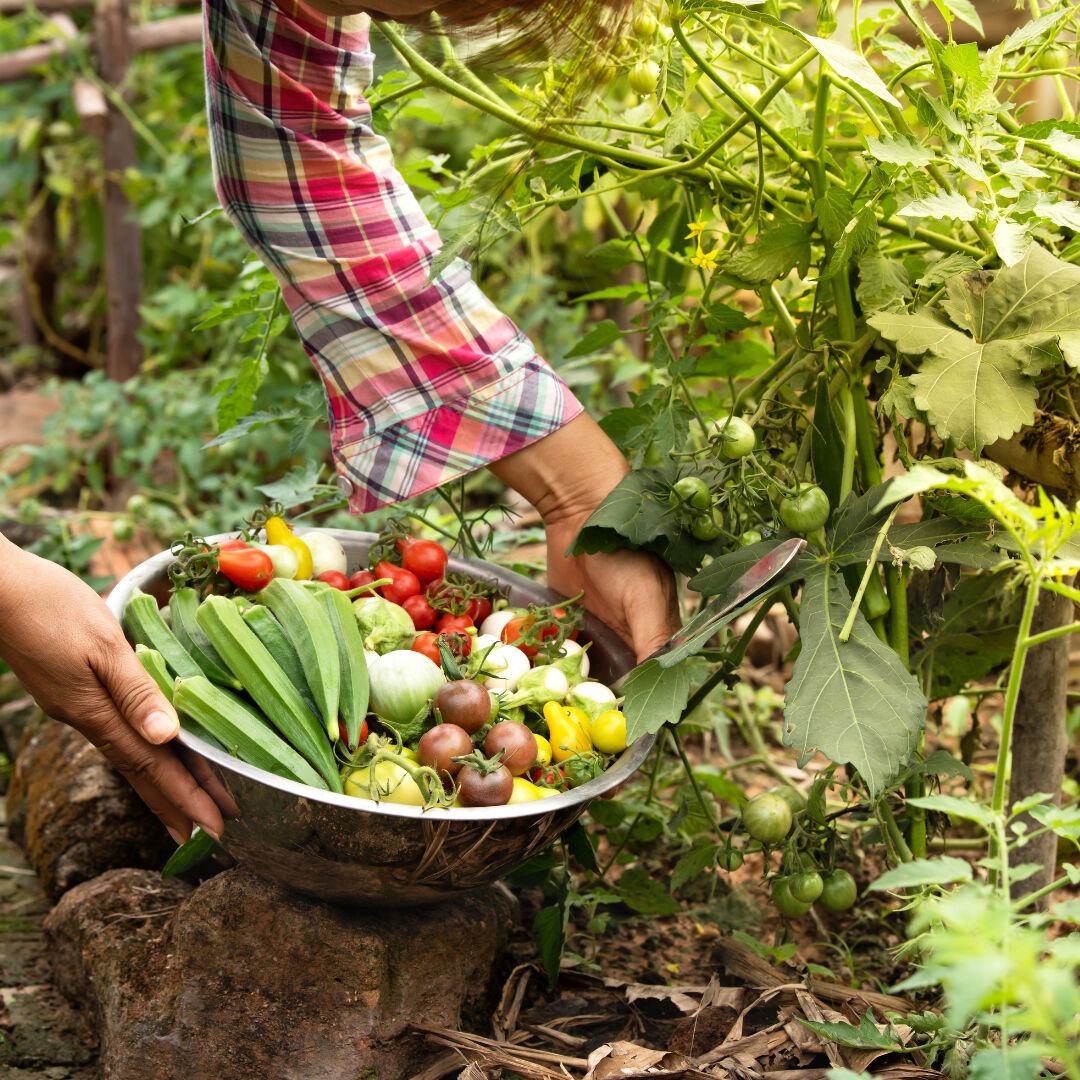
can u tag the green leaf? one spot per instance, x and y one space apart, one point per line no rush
947 205
974 393
961 808
654 696
723 788
772 255
577 841
600 336
197 849
1033 31
858 234
1064 821
1011 240
833 211
945 268
679 130
691 865
963 59
549 928
964 10
975 635
882 283
942 763
239 397
850 65
643 893
864 1037
854 701
634 509
943 870
295 487
901 150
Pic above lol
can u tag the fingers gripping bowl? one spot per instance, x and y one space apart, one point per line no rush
353 851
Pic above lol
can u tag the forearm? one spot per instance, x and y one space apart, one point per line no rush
566 474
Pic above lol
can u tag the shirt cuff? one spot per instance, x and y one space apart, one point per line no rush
422 452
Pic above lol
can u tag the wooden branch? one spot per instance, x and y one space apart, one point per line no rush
145 37
166 33
123 234
1047 453
91 106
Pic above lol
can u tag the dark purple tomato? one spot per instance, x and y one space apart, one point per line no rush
440 745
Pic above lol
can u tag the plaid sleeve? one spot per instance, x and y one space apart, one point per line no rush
424 381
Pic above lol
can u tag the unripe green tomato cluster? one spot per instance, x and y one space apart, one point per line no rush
794 894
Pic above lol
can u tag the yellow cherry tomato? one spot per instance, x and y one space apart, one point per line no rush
524 791
568 731
386 782
609 732
277 532
543 751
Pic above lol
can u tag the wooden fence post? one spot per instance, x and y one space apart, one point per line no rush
123 234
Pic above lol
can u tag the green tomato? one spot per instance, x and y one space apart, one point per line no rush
837 891
736 437
784 900
644 77
795 799
690 491
582 768
767 817
387 782
707 526
1052 59
796 84
805 512
729 859
137 504
751 536
806 887
645 26
123 529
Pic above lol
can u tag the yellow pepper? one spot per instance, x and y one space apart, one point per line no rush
524 791
277 532
543 750
609 732
568 730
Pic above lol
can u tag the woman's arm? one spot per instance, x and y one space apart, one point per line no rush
425 379
69 653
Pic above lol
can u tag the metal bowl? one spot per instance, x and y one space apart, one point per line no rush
353 851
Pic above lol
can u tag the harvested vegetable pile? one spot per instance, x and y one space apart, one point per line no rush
403 682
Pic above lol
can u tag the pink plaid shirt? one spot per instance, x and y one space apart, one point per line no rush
423 381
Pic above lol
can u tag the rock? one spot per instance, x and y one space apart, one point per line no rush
238 978
74 815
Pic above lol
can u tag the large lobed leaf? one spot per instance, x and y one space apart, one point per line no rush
854 701
975 383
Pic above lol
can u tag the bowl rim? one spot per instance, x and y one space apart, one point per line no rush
628 762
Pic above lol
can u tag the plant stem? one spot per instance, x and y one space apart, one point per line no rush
847 468
871 568
1012 693
706 808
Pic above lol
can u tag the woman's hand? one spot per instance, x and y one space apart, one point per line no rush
70 654
565 476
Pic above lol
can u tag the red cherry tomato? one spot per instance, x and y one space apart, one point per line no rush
548 776
427 644
361 738
247 568
479 609
423 615
235 544
403 582
454 624
335 578
512 633
360 578
425 558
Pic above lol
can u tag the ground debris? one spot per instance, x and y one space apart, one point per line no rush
744 1023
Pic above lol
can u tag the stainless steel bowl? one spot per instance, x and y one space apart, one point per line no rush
353 851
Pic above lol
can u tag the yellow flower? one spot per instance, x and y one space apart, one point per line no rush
705 259
697 227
